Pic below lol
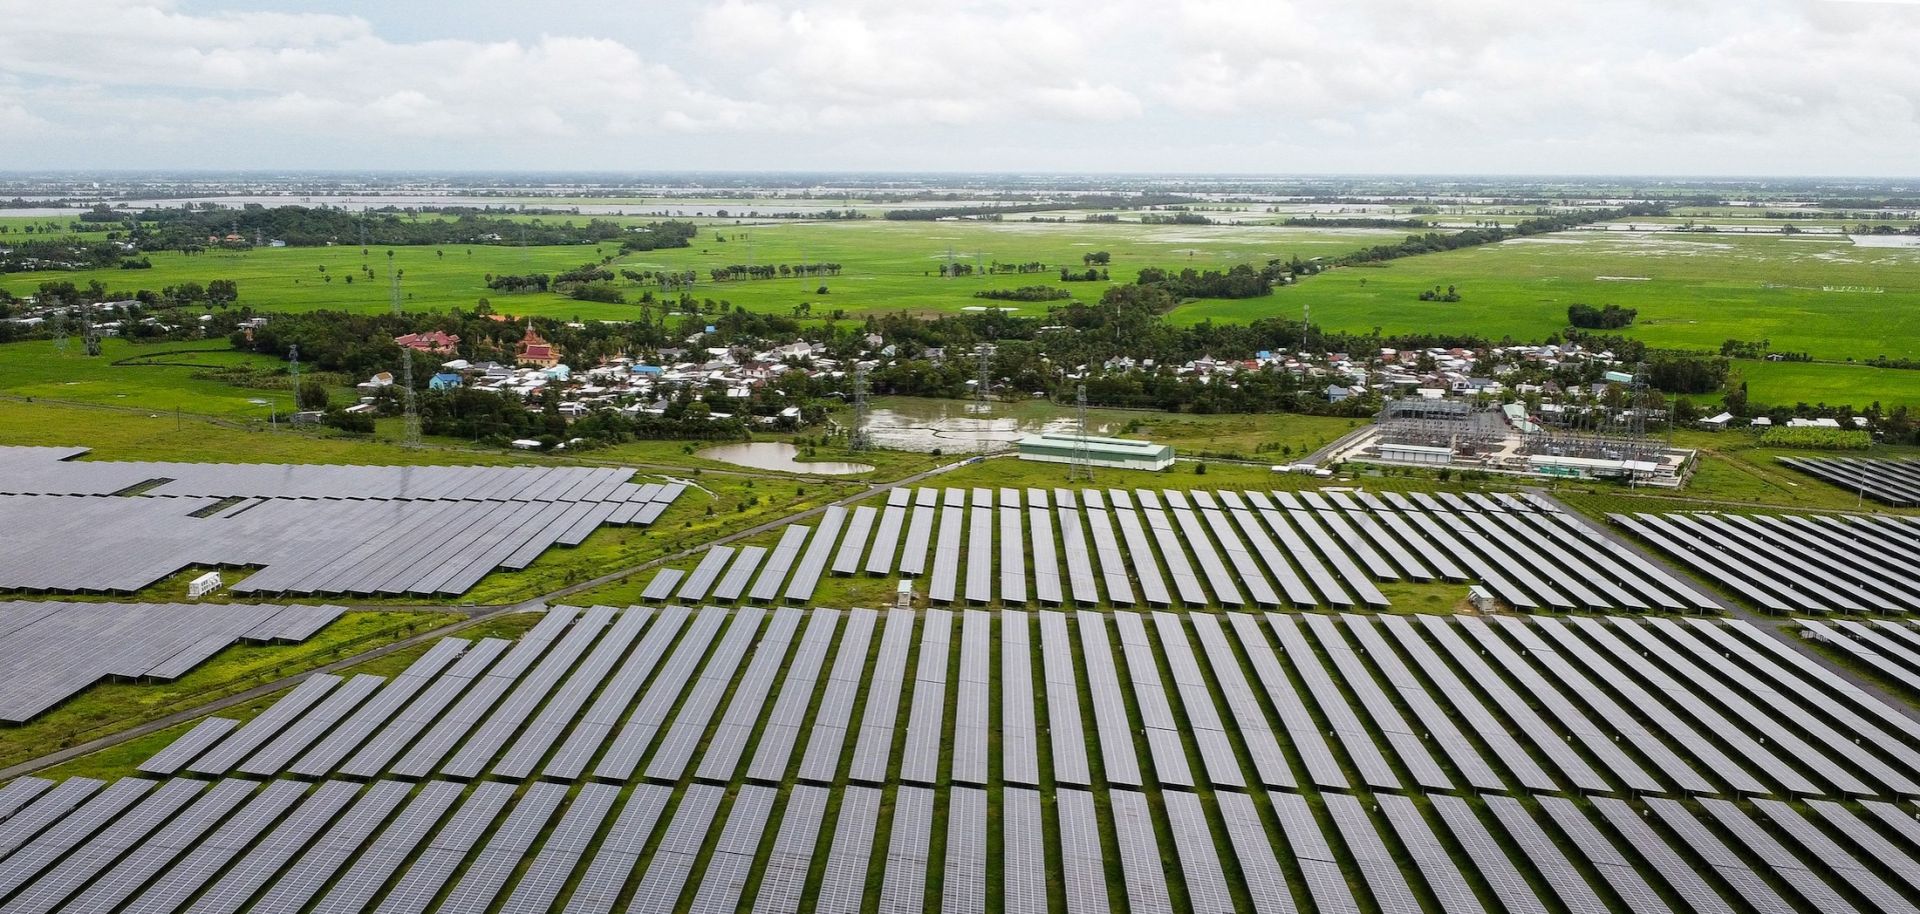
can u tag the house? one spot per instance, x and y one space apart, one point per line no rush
433 343
383 379
1717 421
535 350
445 380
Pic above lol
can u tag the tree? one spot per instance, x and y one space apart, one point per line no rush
222 292
312 394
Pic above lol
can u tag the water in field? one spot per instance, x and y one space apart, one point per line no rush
780 456
954 427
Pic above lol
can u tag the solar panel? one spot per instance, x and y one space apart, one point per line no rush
676 749
88 857
1790 868
26 849
1080 578
334 748
1046 562
480 884
558 857
734 583
843 884
487 740
394 737
1260 872
1209 732
181 751
1439 725
587 733
293 890
479 694
980 554
1560 873
1153 587
972 704
1269 763
1686 881
564 704
1082 869
828 736
963 888
903 883
242 742
737 726
1319 866
793 699
1843 866
673 859
435 862
1219 579
1201 874
1436 865
1013 555
847 560
1140 866
1413 753
1062 685
21 791
1023 852
1303 732
886 539
873 752
208 855
725 877
1596 739
1517 709
785 874
1019 733
813 563
1113 564
1109 703
323 717
920 760
1496 870
1701 841
618 855
663 584
622 756
1701 750
1377 864
767 586
913 554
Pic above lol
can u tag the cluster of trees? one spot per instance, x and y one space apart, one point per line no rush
1436 294
492 418
1358 222
655 236
1031 266
1239 281
772 271
1685 372
1090 274
301 226
1606 317
1025 293
1096 258
1181 218
1760 349
512 283
1433 242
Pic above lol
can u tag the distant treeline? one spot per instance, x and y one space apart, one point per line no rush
1085 201
739 271
1434 242
1025 293
1356 222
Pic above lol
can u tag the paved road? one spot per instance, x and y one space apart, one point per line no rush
475 615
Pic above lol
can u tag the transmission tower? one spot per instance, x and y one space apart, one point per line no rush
293 369
1080 468
949 261
57 322
88 335
983 383
411 436
858 438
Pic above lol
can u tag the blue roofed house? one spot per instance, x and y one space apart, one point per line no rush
445 380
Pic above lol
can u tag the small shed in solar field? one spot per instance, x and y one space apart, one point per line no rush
1119 453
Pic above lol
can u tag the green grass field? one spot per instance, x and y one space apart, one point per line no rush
1692 291
1834 384
887 266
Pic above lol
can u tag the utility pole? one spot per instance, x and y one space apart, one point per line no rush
983 383
411 436
293 369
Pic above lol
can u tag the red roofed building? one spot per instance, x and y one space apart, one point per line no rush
535 350
437 342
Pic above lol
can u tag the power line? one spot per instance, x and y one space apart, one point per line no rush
411 436
1080 468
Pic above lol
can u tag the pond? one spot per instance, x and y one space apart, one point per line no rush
954 427
781 456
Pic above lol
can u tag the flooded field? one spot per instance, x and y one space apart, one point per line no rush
779 456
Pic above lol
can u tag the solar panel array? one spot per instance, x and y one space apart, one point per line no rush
1794 563
1238 550
51 650
315 529
1890 481
1350 763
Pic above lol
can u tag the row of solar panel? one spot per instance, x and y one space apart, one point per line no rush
1251 550
137 845
393 547
1890 481
1793 563
52 471
50 650
1891 649
1540 705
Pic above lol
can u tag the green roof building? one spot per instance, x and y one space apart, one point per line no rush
1118 453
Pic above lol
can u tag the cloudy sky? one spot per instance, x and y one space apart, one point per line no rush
1708 87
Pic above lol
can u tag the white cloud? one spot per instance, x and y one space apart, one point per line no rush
1237 85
